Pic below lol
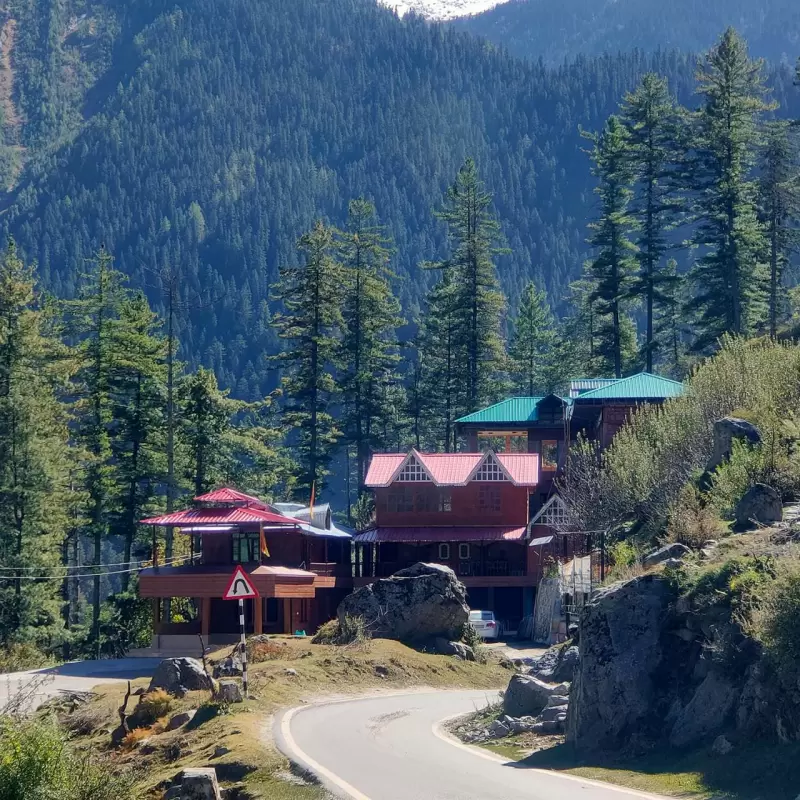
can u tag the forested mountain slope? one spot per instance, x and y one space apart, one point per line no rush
209 134
564 30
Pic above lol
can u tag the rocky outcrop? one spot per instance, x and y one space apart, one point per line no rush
528 696
200 784
760 505
557 665
709 710
418 604
229 691
180 675
676 550
725 431
457 649
615 691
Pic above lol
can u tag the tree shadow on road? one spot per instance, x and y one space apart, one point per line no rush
752 771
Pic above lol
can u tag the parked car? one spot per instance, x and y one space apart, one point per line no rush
485 624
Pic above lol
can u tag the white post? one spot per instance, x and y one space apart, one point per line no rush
244 647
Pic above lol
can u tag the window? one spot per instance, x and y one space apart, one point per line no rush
246 547
400 500
272 610
463 551
445 501
553 513
549 454
489 500
444 551
413 472
490 471
424 500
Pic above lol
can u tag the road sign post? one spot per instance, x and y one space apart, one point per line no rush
241 588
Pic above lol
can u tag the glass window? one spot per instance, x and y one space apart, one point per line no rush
413 472
550 454
444 551
463 551
245 547
490 471
489 500
400 500
445 501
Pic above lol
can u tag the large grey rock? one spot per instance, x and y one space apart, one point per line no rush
200 784
616 685
709 711
557 665
676 550
181 719
229 667
725 431
457 649
761 504
528 696
421 603
179 675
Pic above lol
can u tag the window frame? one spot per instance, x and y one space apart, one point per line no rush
490 500
444 551
252 542
549 444
463 551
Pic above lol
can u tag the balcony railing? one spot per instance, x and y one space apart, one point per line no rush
465 569
330 569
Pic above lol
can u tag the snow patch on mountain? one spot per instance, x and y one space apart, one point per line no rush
441 9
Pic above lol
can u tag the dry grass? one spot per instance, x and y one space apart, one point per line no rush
244 728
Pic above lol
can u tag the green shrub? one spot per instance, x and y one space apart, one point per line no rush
151 707
351 631
16 657
37 762
777 623
327 632
473 639
692 521
742 584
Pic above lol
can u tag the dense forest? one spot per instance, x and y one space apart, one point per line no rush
558 32
235 259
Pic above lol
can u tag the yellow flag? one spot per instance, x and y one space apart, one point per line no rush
263 542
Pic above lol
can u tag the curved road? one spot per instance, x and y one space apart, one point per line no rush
393 748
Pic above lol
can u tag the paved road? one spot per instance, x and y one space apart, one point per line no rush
391 748
77 676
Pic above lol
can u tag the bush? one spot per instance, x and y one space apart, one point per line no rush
776 624
473 639
351 631
327 632
37 762
692 521
150 708
16 657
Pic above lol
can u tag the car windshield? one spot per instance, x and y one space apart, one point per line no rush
481 614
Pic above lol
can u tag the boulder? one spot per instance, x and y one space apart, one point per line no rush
200 784
725 431
528 696
676 550
557 665
617 684
229 667
457 649
567 664
229 692
498 729
418 604
709 711
721 746
180 675
761 504
179 720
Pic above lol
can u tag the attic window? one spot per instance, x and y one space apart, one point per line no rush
553 513
490 471
413 472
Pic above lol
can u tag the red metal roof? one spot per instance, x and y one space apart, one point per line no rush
452 469
454 533
220 516
227 495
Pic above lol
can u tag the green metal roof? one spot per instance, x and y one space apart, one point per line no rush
513 410
643 386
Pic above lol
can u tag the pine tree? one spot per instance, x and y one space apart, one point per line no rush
34 462
779 207
92 320
371 316
137 383
730 276
477 302
531 349
613 267
650 118
669 323
311 293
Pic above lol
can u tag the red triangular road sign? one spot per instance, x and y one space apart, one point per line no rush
240 587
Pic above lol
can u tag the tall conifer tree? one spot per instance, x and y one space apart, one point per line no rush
531 349
651 121
779 207
34 462
371 316
612 269
730 276
478 303
311 294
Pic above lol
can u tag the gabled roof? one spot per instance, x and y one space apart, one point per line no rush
455 533
515 409
227 495
220 516
581 385
643 386
453 469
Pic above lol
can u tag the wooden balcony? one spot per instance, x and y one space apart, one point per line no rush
470 573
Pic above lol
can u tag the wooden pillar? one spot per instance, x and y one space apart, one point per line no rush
205 617
258 617
156 614
287 615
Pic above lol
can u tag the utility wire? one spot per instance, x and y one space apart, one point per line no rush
83 575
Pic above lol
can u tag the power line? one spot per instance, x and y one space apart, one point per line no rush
83 575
